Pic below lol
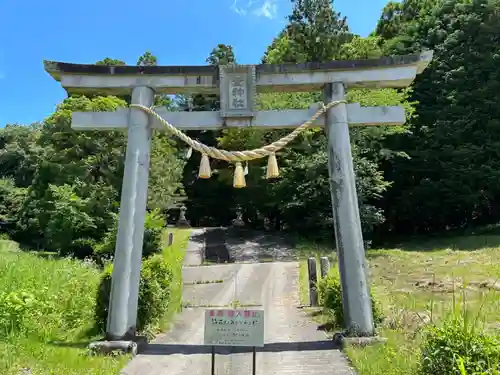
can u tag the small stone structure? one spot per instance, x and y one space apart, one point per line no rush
182 222
238 222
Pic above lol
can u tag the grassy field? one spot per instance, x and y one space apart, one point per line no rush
46 313
419 283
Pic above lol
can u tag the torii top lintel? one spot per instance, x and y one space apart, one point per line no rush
394 71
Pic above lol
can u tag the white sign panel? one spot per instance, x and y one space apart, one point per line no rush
234 327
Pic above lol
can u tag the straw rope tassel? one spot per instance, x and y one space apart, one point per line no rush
239 156
239 176
204 171
272 167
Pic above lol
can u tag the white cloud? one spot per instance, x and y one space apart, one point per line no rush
238 9
269 9
259 8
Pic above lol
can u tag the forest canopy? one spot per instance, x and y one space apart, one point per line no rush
60 189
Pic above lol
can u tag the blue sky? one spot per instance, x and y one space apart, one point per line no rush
178 32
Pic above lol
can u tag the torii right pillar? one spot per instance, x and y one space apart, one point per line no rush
356 299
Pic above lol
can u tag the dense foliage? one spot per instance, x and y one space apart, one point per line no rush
159 290
448 182
59 189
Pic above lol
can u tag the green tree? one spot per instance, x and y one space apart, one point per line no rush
389 24
361 49
110 61
314 33
19 153
11 199
147 59
316 30
223 54
449 182
399 20
165 175
70 228
90 163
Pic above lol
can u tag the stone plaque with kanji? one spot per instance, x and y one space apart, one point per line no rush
237 90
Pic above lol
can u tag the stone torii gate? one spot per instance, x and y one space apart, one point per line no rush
237 85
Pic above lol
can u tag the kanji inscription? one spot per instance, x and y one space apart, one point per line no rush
237 91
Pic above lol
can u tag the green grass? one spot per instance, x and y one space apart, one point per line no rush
174 255
46 313
415 284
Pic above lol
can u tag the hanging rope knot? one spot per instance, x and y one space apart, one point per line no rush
238 157
204 171
239 176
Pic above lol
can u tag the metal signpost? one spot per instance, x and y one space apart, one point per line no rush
235 328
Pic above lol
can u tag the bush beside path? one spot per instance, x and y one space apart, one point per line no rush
48 309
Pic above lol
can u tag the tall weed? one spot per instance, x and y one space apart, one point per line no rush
460 345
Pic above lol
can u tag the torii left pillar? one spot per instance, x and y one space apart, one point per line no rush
122 314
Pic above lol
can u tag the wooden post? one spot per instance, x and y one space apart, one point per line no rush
313 280
122 315
170 239
324 264
358 313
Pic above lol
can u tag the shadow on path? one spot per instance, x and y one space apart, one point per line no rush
228 245
216 250
168 349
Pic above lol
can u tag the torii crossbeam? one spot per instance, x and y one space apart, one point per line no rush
237 86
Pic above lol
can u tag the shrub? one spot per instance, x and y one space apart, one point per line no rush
154 293
458 347
330 296
159 290
153 229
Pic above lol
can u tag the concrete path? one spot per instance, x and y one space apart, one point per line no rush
293 344
194 251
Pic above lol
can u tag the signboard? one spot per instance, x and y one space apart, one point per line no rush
234 327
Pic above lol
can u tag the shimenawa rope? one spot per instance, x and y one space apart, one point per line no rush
239 156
